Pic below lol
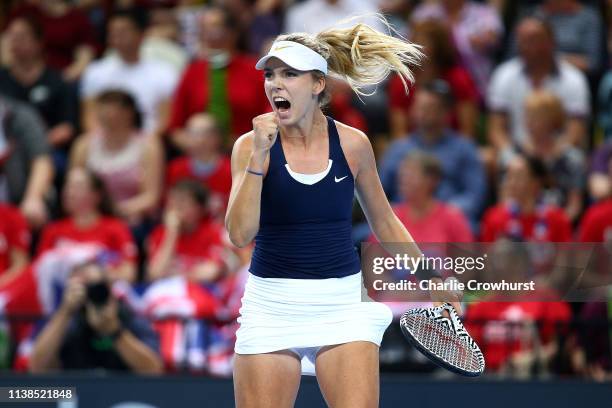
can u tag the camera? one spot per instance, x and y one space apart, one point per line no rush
98 293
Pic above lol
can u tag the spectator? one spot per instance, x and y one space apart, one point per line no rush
189 243
26 167
565 164
476 29
89 220
537 67
69 37
193 274
265 23
130 164
30 80
15 244
314 16
600 185
428 219
205 162
522 216
222 82
463 183
258 21
522 333
578 32
441 64
150 82
92 329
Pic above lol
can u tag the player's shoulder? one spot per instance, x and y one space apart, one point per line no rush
244 141
243 146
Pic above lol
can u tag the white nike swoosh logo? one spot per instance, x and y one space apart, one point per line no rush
337 180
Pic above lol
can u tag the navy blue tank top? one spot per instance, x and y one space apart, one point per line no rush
305 230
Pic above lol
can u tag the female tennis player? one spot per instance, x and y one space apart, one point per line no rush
294 177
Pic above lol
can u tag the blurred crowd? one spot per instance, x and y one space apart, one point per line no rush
117 119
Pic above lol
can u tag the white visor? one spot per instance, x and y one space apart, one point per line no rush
295 55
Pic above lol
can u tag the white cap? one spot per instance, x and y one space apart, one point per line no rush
295 55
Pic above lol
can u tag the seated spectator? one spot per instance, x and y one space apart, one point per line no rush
92 329
565 163
222 82
26 166
150 82
441 63
477 30
130 164
30 80
69 37
536 67
89 220
579 32
517 335
463 182
426 218
193 274
522 215
204 162
15 244
188 243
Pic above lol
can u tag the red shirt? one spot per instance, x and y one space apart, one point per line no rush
500 327
14 234
497 222
444 223
110 232
218 182
458 79
596 225
205 243
245 93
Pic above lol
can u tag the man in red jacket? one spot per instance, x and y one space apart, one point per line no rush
222 82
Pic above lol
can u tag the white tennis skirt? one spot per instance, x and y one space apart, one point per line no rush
303 315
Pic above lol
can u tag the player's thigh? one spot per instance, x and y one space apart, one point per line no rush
266 380
348 375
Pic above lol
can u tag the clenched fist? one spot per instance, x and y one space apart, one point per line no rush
266 128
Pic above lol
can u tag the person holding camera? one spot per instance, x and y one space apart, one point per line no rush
92 329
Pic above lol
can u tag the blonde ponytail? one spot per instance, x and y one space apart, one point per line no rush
362 55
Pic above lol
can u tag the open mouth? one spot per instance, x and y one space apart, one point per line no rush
281 104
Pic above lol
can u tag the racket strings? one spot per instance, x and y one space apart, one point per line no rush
441 340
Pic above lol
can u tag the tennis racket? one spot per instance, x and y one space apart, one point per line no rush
443 340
